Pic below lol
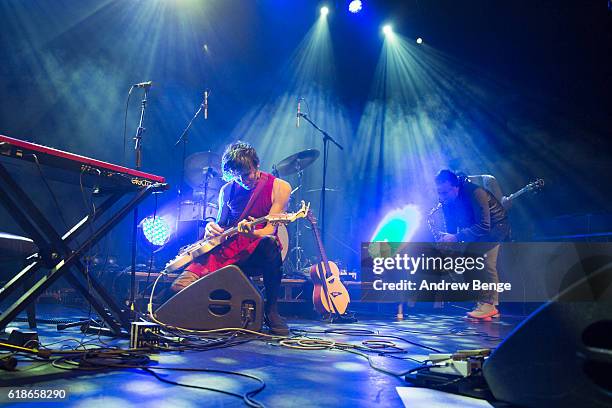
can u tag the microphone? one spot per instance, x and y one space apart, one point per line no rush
143 85
205 104
297 117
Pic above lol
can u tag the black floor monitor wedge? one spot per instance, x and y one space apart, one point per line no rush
223 299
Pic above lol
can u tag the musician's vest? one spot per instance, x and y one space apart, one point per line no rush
238 197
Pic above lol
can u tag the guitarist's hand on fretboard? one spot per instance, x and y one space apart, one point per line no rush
246 227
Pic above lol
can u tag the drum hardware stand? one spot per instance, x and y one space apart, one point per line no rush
298 250
210 173
326 139
295 164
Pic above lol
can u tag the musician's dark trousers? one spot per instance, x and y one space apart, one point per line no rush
491 276
265 260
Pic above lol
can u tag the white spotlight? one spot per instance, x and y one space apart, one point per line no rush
387 29
324 11
419 40
355 6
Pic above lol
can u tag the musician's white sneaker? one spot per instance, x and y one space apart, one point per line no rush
484 311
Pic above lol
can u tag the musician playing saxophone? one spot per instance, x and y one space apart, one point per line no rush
473 214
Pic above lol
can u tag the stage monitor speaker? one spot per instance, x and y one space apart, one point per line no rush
561 355
223 299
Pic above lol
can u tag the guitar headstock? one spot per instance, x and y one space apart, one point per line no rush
535 185
289 217
302 212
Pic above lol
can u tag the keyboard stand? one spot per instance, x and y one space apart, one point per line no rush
60 257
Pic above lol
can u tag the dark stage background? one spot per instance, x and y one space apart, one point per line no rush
517 89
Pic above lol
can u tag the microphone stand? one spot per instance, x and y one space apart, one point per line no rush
326 139
185 139
208 174
138 149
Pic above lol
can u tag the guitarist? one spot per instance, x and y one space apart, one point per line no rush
473 214
248 194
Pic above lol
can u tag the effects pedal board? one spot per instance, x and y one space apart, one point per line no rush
144 334
458 373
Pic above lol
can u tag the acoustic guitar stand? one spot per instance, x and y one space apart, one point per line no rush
342 318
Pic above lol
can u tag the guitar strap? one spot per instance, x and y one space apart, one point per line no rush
260 186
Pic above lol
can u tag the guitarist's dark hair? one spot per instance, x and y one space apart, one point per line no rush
239 157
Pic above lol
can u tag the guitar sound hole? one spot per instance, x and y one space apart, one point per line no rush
219 310
220 294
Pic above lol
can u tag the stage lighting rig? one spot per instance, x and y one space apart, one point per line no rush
156 230
355 6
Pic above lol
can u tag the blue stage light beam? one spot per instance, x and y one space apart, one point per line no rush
309 73
412 125
67 55
428 110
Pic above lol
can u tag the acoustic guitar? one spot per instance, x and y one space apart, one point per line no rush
329 294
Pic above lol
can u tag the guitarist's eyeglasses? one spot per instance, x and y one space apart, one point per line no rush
247 178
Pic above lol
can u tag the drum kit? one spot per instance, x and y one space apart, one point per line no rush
290 166
202 173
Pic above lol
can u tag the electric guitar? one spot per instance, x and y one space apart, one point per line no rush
533 186
205 245
329 294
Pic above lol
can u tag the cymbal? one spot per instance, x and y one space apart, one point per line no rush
198 165
327 190
296 162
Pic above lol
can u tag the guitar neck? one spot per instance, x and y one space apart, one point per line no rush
520 192
319 242
234 230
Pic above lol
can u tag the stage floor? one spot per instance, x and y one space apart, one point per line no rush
326 378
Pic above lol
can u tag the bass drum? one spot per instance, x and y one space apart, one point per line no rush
283 237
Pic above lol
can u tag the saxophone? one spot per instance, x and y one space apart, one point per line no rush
436 222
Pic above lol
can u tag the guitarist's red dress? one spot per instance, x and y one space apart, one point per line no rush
237 249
